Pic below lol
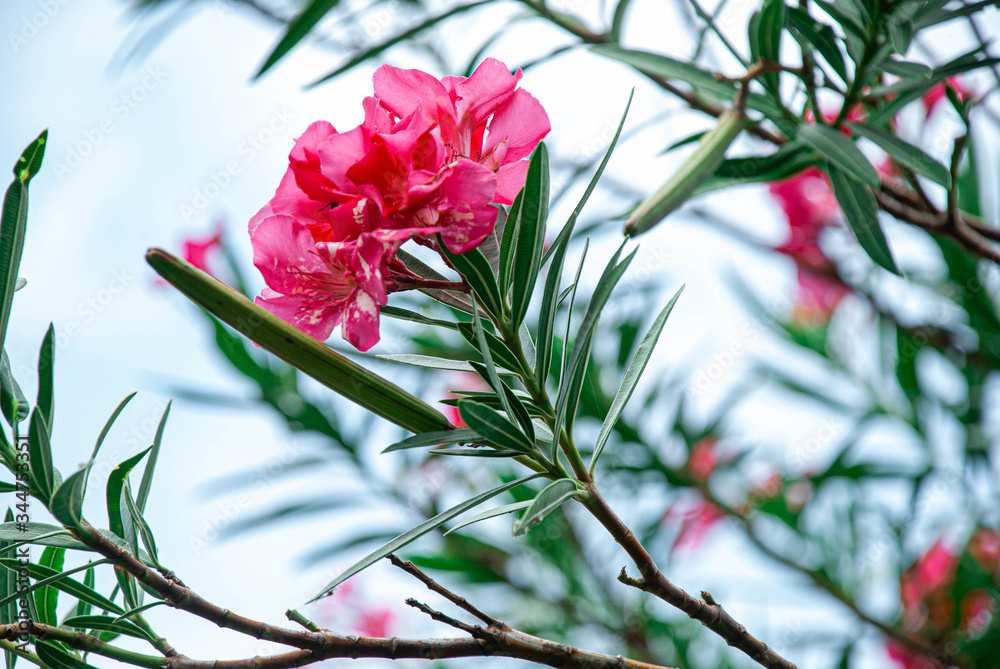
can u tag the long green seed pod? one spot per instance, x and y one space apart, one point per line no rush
701 165
298 349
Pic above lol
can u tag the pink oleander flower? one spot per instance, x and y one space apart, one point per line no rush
695 522
817 296
703 459
932 98
196 250
431 157
376 623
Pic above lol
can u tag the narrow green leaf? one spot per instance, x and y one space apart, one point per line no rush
571 385
821 37
104 433
840 151
108 624
420 530
531 233
130 594
476 452
140 609
476 270
492 513
520 413
40 451
906 70
636 366
301 351
60 580
502 356
772 24
89 581
12 401
13 222
67 500
507 244
550 296
784 163
414 317
901 34
55 657
438 438
298 28
569 310
861 211
494 427
491 371
145 533
46 384
428 361
906 154
404 36
47 598
618 20
116 484
548 500
154 453
452 298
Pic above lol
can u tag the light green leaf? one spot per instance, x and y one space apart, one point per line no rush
40 451
906 70
486 452
492 513
47 598
104 433
420 530
108 624
154 453
438 438
55 657
636 366
548 500
46 576
12 401
67 500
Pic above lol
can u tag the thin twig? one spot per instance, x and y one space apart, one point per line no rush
434 586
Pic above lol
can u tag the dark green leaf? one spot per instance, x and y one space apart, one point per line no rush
821 37
89 580
147 474
840 151
55 657
40 451
108 624
13 222
459 436
476 452
507 244
861 211
531 233
47 598
420 530
12 400
907 70
548 500
142 526
67 500
635 369
498 350
298 29
476 270
494 427
140 609
46 363
431 362
769 29
118 518
786 162
520 413
414 317
104 431
60 580
550 296
901 34
8 585
906 154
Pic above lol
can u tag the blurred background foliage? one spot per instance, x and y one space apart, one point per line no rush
888 507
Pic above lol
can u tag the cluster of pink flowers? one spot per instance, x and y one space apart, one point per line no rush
929 609
431 158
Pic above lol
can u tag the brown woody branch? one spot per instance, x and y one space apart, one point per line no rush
497 640
652 580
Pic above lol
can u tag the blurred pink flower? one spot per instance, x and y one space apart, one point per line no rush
932 98
695 523
816 297
703 459
196 250
377 623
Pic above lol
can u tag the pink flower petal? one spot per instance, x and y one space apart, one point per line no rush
522 123
404 91
510 181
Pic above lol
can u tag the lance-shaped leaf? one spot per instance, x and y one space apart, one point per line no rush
119 519
550 296
507 243
821 37
12 401
840 151
301 351
439 438
498 350
108 624
40 451
298 29
492 513
89 580
420 530
104 433
486 452
531 232
414 317
769 29
478 273
13 221
60 580
682 184
861 211
548 500
55 657
906 154
494 427
787 161
47 598
154 453
8 585
46 375
636 366
67 500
